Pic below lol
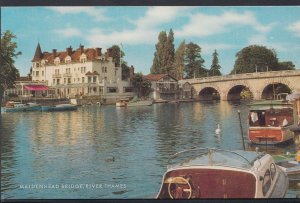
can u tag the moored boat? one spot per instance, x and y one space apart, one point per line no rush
12 106
122 103
270 122
289 164
140 103
60 107
214 173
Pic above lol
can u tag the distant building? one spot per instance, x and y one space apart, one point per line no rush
164 86
185 90
82 72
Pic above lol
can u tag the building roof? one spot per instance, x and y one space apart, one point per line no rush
91 53
93 73
38 53
24 78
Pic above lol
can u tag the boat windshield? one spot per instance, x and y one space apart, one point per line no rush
214 157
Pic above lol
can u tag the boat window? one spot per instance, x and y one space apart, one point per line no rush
266 182
273 170
257 118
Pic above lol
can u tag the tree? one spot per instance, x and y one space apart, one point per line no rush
286 65
179 61
194 63
255 58
215 66
159 61
141 85
170 53
116 53
163 61
8 72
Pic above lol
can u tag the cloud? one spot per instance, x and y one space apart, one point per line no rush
202 25
210 48
69 32
295 27
145 31
97 14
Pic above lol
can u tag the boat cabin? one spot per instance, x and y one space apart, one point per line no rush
271 113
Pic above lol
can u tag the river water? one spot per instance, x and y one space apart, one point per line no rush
107 152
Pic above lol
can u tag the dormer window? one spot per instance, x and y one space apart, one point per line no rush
37 65
83 58
57 61
68 60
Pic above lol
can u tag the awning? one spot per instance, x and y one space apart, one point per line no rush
36 87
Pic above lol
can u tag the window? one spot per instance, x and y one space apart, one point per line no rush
104 69
53 81
42 73
94 78
89 79
111 89
58 81
69 80
65 80
266 182
82 79
127 89
37 73
37 65
273 170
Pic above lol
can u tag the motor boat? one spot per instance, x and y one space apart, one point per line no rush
12 106
215 173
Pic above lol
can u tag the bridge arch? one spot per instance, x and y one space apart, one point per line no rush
274 87
237 91
209 93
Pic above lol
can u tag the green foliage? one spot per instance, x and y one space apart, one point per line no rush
194 63
8 72
116 54
163 61
215 66
141 85
116 58
286 65
179 61
255 58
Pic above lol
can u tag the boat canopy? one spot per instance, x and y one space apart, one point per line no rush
265 105
36 87
214 157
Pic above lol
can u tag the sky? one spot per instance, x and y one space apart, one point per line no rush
226 29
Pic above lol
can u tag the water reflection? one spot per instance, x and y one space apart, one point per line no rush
112 146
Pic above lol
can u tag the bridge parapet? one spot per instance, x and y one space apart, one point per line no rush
269 74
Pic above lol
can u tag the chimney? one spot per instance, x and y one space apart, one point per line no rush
81 49
131 72
109 52
69 51
54 52
98 52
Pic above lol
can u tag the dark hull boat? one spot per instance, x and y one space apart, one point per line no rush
60 107
213 173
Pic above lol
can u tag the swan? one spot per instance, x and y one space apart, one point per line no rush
218 130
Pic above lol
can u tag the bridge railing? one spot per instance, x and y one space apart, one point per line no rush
245 76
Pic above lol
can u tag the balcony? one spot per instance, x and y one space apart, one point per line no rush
56 76
167 90
67 75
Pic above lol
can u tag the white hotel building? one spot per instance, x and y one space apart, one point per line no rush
80 73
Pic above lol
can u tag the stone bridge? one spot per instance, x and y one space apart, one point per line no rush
260 84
